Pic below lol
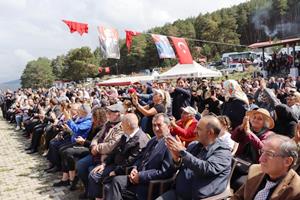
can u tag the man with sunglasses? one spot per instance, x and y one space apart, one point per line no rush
274 177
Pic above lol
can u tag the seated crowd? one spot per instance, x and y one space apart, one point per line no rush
237 139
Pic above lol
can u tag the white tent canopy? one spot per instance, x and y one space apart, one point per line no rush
194 70
128 80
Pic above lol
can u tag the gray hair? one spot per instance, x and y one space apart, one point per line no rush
132 120
288 147
164 115
86 108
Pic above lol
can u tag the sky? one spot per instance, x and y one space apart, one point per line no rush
34 28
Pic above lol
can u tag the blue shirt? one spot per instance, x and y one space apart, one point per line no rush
81 127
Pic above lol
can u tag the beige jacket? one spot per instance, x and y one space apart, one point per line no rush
110 141
288 188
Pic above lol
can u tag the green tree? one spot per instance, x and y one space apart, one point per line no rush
37 73
57 65
79 64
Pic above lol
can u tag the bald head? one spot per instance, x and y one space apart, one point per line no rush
208 129
131 120
212 124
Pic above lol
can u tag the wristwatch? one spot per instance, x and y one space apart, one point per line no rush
182 153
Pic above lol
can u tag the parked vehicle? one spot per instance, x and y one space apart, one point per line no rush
233 67
238 57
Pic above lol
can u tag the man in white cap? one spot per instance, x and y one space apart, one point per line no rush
185 127
102 144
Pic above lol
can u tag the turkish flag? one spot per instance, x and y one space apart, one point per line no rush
107 70
182 50
76 26
129 35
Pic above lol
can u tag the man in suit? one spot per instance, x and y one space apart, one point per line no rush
274 177
102 144
204 167
154 163
121 157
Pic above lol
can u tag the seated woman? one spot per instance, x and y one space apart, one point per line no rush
148 111
250 136
236 103
80 150
225 134
185 127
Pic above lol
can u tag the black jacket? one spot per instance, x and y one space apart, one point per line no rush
181 99
286 121
125 153
235 110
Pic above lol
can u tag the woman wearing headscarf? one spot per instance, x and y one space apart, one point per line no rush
250 135
236 103
285 121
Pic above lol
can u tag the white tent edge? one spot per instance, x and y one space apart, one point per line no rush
194 70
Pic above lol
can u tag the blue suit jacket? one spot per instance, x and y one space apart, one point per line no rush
159 166
205 174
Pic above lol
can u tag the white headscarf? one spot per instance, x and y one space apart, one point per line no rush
233 89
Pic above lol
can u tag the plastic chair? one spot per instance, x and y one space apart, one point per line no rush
164 185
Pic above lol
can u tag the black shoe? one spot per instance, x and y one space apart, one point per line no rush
28 148
32 151
46 170
61 183
53 170
83 196
74 184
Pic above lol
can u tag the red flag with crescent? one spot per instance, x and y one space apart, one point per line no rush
129 35
76 26
182 50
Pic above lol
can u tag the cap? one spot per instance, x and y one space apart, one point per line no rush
116 108
131 90
190 110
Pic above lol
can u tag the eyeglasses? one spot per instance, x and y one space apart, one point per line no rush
269 154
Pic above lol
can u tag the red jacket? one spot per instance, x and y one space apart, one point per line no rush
186 132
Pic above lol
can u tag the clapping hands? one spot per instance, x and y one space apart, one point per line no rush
246 125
